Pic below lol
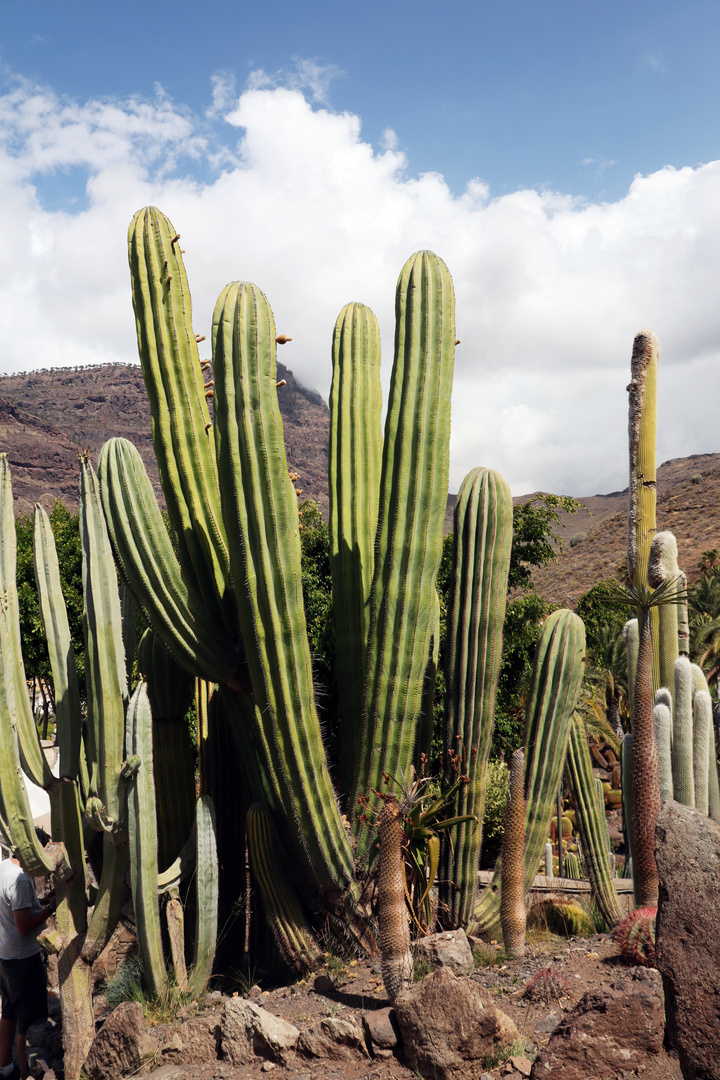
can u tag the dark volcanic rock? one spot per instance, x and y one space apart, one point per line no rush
687 849
611 1032
449 1024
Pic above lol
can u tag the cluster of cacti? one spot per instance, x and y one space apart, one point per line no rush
105 766
672 750
561 915
635 937
555 687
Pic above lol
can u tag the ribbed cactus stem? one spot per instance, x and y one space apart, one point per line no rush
662 567
354 461
481 563
182 433
60 648
663 728
413 498
261 520
512 903
272 871
702 726
626 771
397 963
683 776
642 494
632 641
645 770
207 879
548 860
143 844
592 825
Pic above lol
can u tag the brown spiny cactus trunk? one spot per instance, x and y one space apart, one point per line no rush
645 771
512 896
397 964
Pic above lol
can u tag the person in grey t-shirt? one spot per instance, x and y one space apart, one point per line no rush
23 990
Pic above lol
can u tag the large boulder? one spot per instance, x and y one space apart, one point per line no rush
450 949
612 1031
122 1045
248 1031
448 1025
195 1040
687 850
334 1037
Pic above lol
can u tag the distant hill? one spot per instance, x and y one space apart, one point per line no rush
48 417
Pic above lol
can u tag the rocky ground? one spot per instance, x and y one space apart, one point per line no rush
353 993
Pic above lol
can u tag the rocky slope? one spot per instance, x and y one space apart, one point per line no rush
48 417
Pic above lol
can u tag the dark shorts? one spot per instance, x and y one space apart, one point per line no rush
23 991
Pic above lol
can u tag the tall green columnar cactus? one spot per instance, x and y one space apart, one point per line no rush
591 825
481 563
663 566
182 431
555 688
261 519
642 490
682 744
413 497
354 461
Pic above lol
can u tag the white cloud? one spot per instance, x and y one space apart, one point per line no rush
550 289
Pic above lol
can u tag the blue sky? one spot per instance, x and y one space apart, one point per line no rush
562 158
578 96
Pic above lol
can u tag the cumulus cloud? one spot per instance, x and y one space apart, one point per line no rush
273 186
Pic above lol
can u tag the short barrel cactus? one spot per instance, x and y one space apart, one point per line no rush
635 937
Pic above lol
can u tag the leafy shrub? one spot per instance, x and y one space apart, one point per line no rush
578 538
497 781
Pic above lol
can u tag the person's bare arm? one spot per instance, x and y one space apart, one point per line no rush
25 923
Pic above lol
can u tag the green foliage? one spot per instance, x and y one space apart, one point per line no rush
495 799
536 541
66 530
523 620
604 621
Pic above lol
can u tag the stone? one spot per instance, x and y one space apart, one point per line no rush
248 1030
323 985
196 1041
614 1029
382 1028
547 1025
687 949
448 1025
450 949
333 1037
211 1070
521 1064
122 1044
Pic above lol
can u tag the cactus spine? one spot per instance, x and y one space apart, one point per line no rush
702 728
592 825
663 736
512 902
354 463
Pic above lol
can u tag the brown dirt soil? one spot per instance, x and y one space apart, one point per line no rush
585 963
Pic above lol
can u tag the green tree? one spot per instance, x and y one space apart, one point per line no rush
66 530
536 540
